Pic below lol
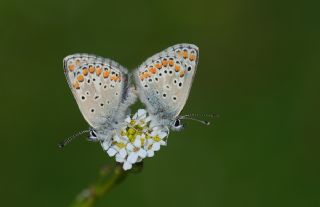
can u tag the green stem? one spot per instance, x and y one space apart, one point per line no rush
110 176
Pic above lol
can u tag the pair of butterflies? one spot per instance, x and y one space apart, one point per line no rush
103 90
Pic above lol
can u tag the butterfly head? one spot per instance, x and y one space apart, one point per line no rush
92 135
98 134
177 125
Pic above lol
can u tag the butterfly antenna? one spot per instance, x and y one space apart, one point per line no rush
63 143
192 117
168 132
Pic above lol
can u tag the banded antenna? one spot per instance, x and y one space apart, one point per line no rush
63 143
193 117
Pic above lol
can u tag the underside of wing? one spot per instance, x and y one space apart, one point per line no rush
164 80
99 86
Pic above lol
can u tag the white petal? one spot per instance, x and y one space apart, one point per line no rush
149 142
105 145
128 119
144 116
163 143
119 158
156 146
137 142
123 152
132 158
116 137
125 139
141 112
153 133
162 135
127 166
148 119
130 147
112 151
119 139
142 153
135 116
150 153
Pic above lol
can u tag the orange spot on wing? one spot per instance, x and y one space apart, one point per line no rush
185 54
192 57
91 69
80 78
72 67
171 63
158 65
76 85
85 72
152 70
182 73
146 75
177 68
165 62
113 78
141 77
98 71
180 54
106 74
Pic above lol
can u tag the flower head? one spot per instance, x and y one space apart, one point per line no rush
136 140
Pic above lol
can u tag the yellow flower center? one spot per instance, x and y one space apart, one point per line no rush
142 141
123 133
156 138
131 137
133 122
138 127
121 145
131 131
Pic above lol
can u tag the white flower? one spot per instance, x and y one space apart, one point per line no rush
157 138
135 150
136 140
117 146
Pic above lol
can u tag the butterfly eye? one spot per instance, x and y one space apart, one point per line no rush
177 123
92 135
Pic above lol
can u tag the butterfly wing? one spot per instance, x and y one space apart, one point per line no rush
164 80
99 85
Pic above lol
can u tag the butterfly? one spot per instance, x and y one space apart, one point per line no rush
164 82
104 93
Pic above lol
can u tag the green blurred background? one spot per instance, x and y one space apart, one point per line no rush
259 69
